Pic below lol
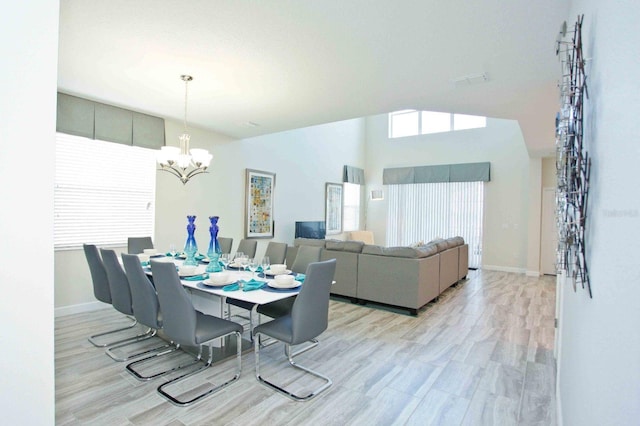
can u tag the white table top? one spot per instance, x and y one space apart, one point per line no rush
255 296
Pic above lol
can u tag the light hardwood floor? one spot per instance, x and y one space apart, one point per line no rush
481 355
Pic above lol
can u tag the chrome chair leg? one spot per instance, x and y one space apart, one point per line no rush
174 400
146 336
172 348
290 356
104 345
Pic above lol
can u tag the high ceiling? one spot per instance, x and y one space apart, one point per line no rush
290 64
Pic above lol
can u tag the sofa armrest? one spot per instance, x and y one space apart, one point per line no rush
463 261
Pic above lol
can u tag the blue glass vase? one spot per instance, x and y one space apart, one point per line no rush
190 247
214 246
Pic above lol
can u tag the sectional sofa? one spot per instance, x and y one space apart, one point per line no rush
406 277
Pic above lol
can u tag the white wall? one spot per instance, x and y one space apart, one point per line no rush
27 119
303 161
599 361
506 196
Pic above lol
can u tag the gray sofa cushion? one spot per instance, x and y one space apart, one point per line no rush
440 243
408 252
350 246
455 241
308 242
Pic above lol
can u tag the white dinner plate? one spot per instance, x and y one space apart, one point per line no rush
286 272
208 282
294 284
193 274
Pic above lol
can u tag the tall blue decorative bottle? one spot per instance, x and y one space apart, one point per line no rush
214 246
190 247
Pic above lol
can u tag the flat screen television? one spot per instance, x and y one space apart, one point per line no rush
311 229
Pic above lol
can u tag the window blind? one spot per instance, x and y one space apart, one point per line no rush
465 172
353 175
104 192
82 117
425 211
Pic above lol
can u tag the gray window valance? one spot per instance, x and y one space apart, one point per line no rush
353 175
468 172
94 120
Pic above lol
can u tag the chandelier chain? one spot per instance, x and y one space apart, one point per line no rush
186 79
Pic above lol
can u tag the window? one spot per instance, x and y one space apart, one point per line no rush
462 122
104 192
435 122
412 122
404 123
351 209
425 211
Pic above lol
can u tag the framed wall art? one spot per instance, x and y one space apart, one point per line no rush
333 208
259 204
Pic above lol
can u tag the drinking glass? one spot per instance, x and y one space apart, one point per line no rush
244 262
224 259
236 260
253 264
265 263
172 250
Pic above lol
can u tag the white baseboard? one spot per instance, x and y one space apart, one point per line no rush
504 269
533 273
77 309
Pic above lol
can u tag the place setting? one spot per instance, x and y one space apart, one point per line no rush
192 273
218 279
285 283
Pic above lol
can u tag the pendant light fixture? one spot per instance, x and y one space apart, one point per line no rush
184 163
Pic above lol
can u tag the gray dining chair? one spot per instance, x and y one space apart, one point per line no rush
146 309
136 245
277 252
122 302
225 244
101 291
248 247
308 319
184 325
305 256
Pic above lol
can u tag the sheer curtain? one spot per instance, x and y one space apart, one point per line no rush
425 211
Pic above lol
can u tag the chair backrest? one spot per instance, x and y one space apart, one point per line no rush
277 252
143 294
225 244
305 256
248 247
101 289
178 314
137 245
118 282
310 311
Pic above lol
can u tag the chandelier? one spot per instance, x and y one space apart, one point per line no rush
184 163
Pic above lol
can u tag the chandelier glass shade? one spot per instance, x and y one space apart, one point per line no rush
182 162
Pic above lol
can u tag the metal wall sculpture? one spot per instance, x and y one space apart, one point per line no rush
573 164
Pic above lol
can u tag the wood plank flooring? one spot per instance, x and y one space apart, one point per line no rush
481 355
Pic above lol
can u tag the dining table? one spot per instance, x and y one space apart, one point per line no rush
211 299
